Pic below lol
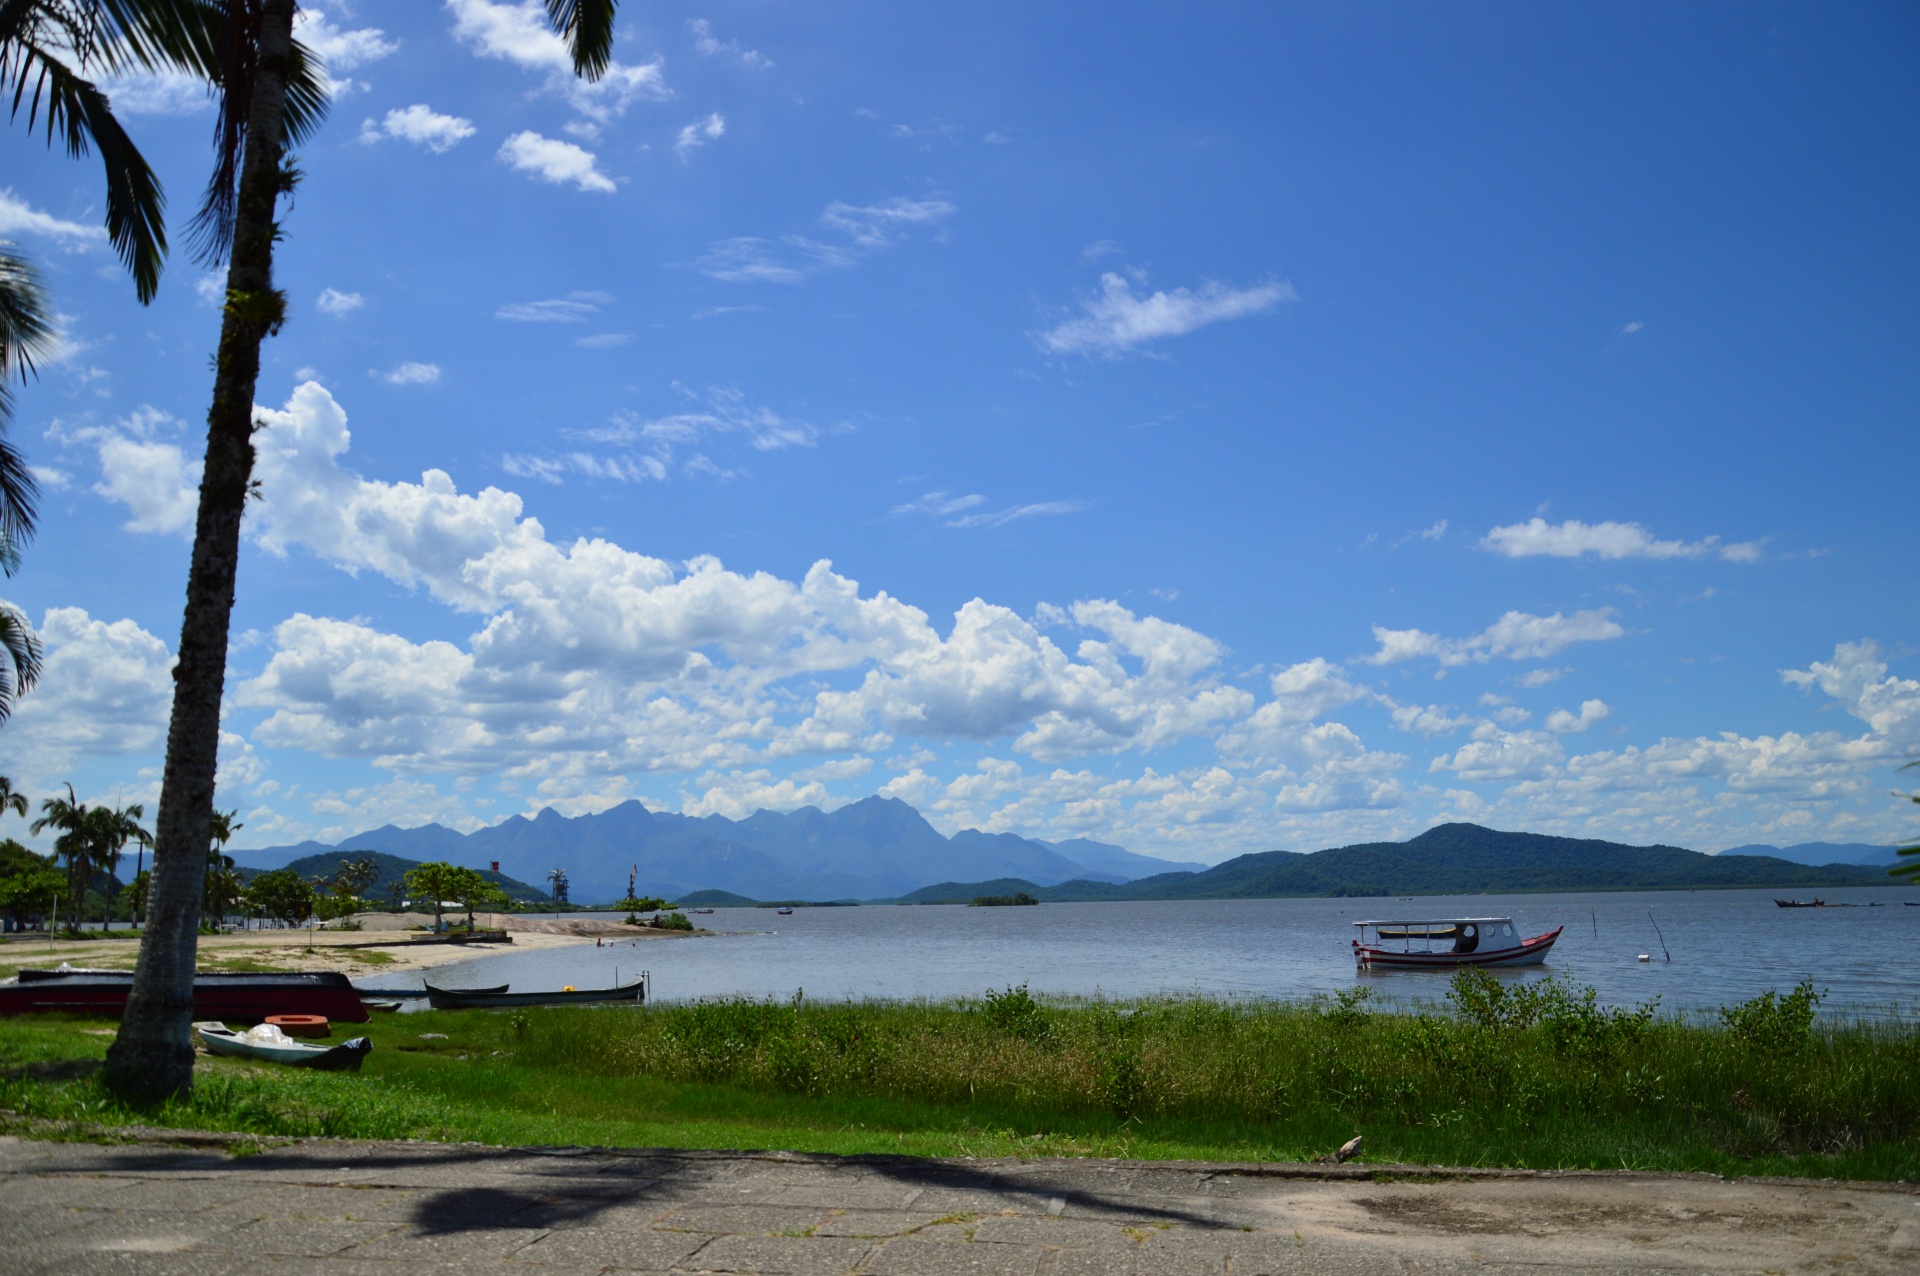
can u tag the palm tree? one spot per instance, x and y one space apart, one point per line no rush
116 829
12 799
72 819
270 93
220 831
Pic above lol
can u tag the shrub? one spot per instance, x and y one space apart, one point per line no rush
1017 1014
1772 1022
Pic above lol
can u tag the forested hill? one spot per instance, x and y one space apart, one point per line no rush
1455 859
393 871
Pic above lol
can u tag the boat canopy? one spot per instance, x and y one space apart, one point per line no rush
1463 934
1441 922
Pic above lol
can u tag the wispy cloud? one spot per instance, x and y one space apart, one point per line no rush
941 504
409 373
17 217
552 160
635 448
1574 539
1118 321
575 307
862 229
1515 636
965 511
699 133
711 46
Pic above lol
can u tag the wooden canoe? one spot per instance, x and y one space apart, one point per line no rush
500 998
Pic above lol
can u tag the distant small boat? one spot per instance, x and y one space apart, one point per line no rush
784 911
702 912
274 1047
1800 903
1448 942
500 999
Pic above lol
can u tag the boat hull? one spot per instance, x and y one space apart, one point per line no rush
492 999
345 1057
1530 953
229 998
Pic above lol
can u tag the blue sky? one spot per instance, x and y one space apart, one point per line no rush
1229 427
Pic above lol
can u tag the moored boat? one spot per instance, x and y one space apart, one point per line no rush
1448 942
501 998
268 1044
230 998
1800 903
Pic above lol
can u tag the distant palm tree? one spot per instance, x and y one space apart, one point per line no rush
117 827
70 817
11 799
557 877
220 831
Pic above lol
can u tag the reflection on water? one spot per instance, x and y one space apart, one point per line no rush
1726 946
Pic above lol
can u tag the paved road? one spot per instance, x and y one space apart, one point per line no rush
358 1209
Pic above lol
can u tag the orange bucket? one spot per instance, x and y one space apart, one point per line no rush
301 1025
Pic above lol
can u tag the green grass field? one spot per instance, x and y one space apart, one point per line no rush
1511 1077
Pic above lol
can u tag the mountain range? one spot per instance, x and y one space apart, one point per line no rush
1448 859
872 849
1865 853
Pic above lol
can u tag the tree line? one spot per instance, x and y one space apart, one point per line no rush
91 841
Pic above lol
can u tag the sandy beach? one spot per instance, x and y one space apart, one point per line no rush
355 953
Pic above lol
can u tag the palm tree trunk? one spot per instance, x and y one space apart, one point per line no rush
152 1057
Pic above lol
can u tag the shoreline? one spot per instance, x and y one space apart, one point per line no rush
316 950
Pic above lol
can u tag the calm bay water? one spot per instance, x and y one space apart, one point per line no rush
1726 946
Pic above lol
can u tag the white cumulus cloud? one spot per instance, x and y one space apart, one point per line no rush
1564 722
518 33
339 304
552 160
421 125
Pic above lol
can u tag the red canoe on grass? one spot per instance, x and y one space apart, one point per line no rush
229 998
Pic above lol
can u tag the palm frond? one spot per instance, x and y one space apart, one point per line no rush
79 114
22 653
587 27
237 46
26 333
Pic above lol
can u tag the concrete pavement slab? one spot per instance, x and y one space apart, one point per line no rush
404 1209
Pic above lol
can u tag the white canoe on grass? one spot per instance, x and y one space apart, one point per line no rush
269 1044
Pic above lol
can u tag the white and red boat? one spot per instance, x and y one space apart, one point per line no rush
1447 942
